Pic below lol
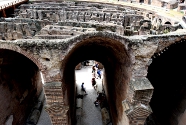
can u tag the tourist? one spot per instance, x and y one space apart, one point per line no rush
94 71
97 65
99 73
83 88
96 102
94 83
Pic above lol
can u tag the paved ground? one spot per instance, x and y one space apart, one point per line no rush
44 118
90 115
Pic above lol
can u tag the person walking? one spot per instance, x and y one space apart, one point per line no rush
94 83
93 71
99 73
83 88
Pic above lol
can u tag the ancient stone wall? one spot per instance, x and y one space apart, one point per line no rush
140 49
30 19
21 94
53 35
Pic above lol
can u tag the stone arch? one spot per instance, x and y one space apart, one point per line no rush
166 74
20 85
23 52
115 57
167 22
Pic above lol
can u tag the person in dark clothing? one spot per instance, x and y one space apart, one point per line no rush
93 69
83 88
96 103
94 83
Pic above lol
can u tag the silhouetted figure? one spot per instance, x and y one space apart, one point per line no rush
94 83
93 69
83 88
96 103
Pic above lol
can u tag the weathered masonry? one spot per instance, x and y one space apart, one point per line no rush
9 6
142 53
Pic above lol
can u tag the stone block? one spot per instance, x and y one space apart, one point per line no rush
79 103
105 116
143 90
181 7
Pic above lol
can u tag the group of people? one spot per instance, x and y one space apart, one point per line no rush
100 99
86 63
96 73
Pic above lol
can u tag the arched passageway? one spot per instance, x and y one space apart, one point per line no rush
88 112
116 61
20 86
166 73
168 23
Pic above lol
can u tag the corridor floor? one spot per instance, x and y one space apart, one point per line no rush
91 115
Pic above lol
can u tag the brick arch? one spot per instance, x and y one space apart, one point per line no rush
115 58
23 52
72 41
164 20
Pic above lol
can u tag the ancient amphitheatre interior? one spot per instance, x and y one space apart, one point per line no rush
141 45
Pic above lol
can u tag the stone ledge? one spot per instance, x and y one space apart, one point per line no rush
141 84
142 90
51 84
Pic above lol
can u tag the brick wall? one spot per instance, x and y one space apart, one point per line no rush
19 87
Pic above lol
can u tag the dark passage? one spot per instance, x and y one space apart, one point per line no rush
20 86
167 75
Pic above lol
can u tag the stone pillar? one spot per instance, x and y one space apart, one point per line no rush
54 103
40 14
136 106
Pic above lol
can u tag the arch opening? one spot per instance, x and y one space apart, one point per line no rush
20 86
166 73
168 23
116 61
91 104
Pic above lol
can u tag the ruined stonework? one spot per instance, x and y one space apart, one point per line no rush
55 105
54 36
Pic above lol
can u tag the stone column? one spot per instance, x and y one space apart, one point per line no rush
54 103
136 106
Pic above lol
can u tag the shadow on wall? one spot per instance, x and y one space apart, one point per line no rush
20 86
166 73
